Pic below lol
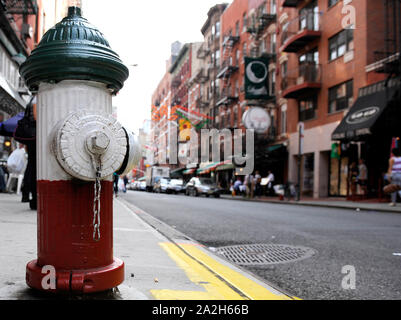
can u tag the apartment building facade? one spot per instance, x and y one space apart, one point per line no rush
324 58
325 48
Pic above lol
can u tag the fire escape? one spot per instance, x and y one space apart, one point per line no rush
390 60
226 70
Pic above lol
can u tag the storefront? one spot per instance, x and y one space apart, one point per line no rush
367 133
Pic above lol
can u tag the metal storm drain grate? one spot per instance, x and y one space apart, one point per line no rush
264 254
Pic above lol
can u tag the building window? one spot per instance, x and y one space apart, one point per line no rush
244 51
273 7
217 29
244 22
273 41
307 109
341 43
237 29
262 47
217 58
283 119
237 57
332 2
309 57
284 66
341 96
272 83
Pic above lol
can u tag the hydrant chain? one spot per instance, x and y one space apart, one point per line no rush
97 165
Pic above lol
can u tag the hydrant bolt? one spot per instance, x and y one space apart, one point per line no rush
98 143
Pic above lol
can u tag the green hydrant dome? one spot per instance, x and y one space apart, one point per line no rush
74 50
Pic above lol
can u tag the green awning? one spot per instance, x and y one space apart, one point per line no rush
230 166
275 147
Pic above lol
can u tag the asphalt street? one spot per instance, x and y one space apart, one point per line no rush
369 242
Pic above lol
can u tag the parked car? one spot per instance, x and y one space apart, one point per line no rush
198 186
142 185
131 185
175 186
161 185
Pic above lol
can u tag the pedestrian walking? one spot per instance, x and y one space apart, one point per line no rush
269 183
258 187
116 179
2 180
363 177
394 173
125 179
249 185
25 133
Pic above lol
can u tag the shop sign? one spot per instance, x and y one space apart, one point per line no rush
256 73
256 119
362 115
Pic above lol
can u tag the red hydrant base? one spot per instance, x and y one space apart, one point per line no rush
76 281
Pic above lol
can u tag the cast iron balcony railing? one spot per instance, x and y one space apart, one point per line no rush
25 7
305 79
230 41
263 20
226 69
301 31
387 62
203 52
176 82
269 55
202 76
226 97
202 102
291 3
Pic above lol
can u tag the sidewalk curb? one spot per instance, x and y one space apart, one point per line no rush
176 237
310 204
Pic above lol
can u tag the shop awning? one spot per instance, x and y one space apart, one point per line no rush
363 116
223 167
177 172
275 147
189 171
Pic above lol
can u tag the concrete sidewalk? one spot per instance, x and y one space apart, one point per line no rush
327 203
160 262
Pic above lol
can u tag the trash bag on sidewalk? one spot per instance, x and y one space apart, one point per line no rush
16 161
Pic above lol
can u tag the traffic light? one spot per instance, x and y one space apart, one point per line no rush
7 145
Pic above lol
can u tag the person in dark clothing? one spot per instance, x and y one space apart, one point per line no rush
29 184
2 180
25 133
125 179
116 178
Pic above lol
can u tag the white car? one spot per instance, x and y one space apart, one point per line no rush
175 186
142 186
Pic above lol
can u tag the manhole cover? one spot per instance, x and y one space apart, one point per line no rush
264 254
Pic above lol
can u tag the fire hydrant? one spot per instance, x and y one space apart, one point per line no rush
80 145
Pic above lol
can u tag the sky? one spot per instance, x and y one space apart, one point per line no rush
141 33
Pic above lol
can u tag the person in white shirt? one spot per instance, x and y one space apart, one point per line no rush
394 173
270 180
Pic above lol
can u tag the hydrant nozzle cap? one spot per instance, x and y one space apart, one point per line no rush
74 50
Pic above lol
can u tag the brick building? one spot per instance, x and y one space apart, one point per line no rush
326 57
322 66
